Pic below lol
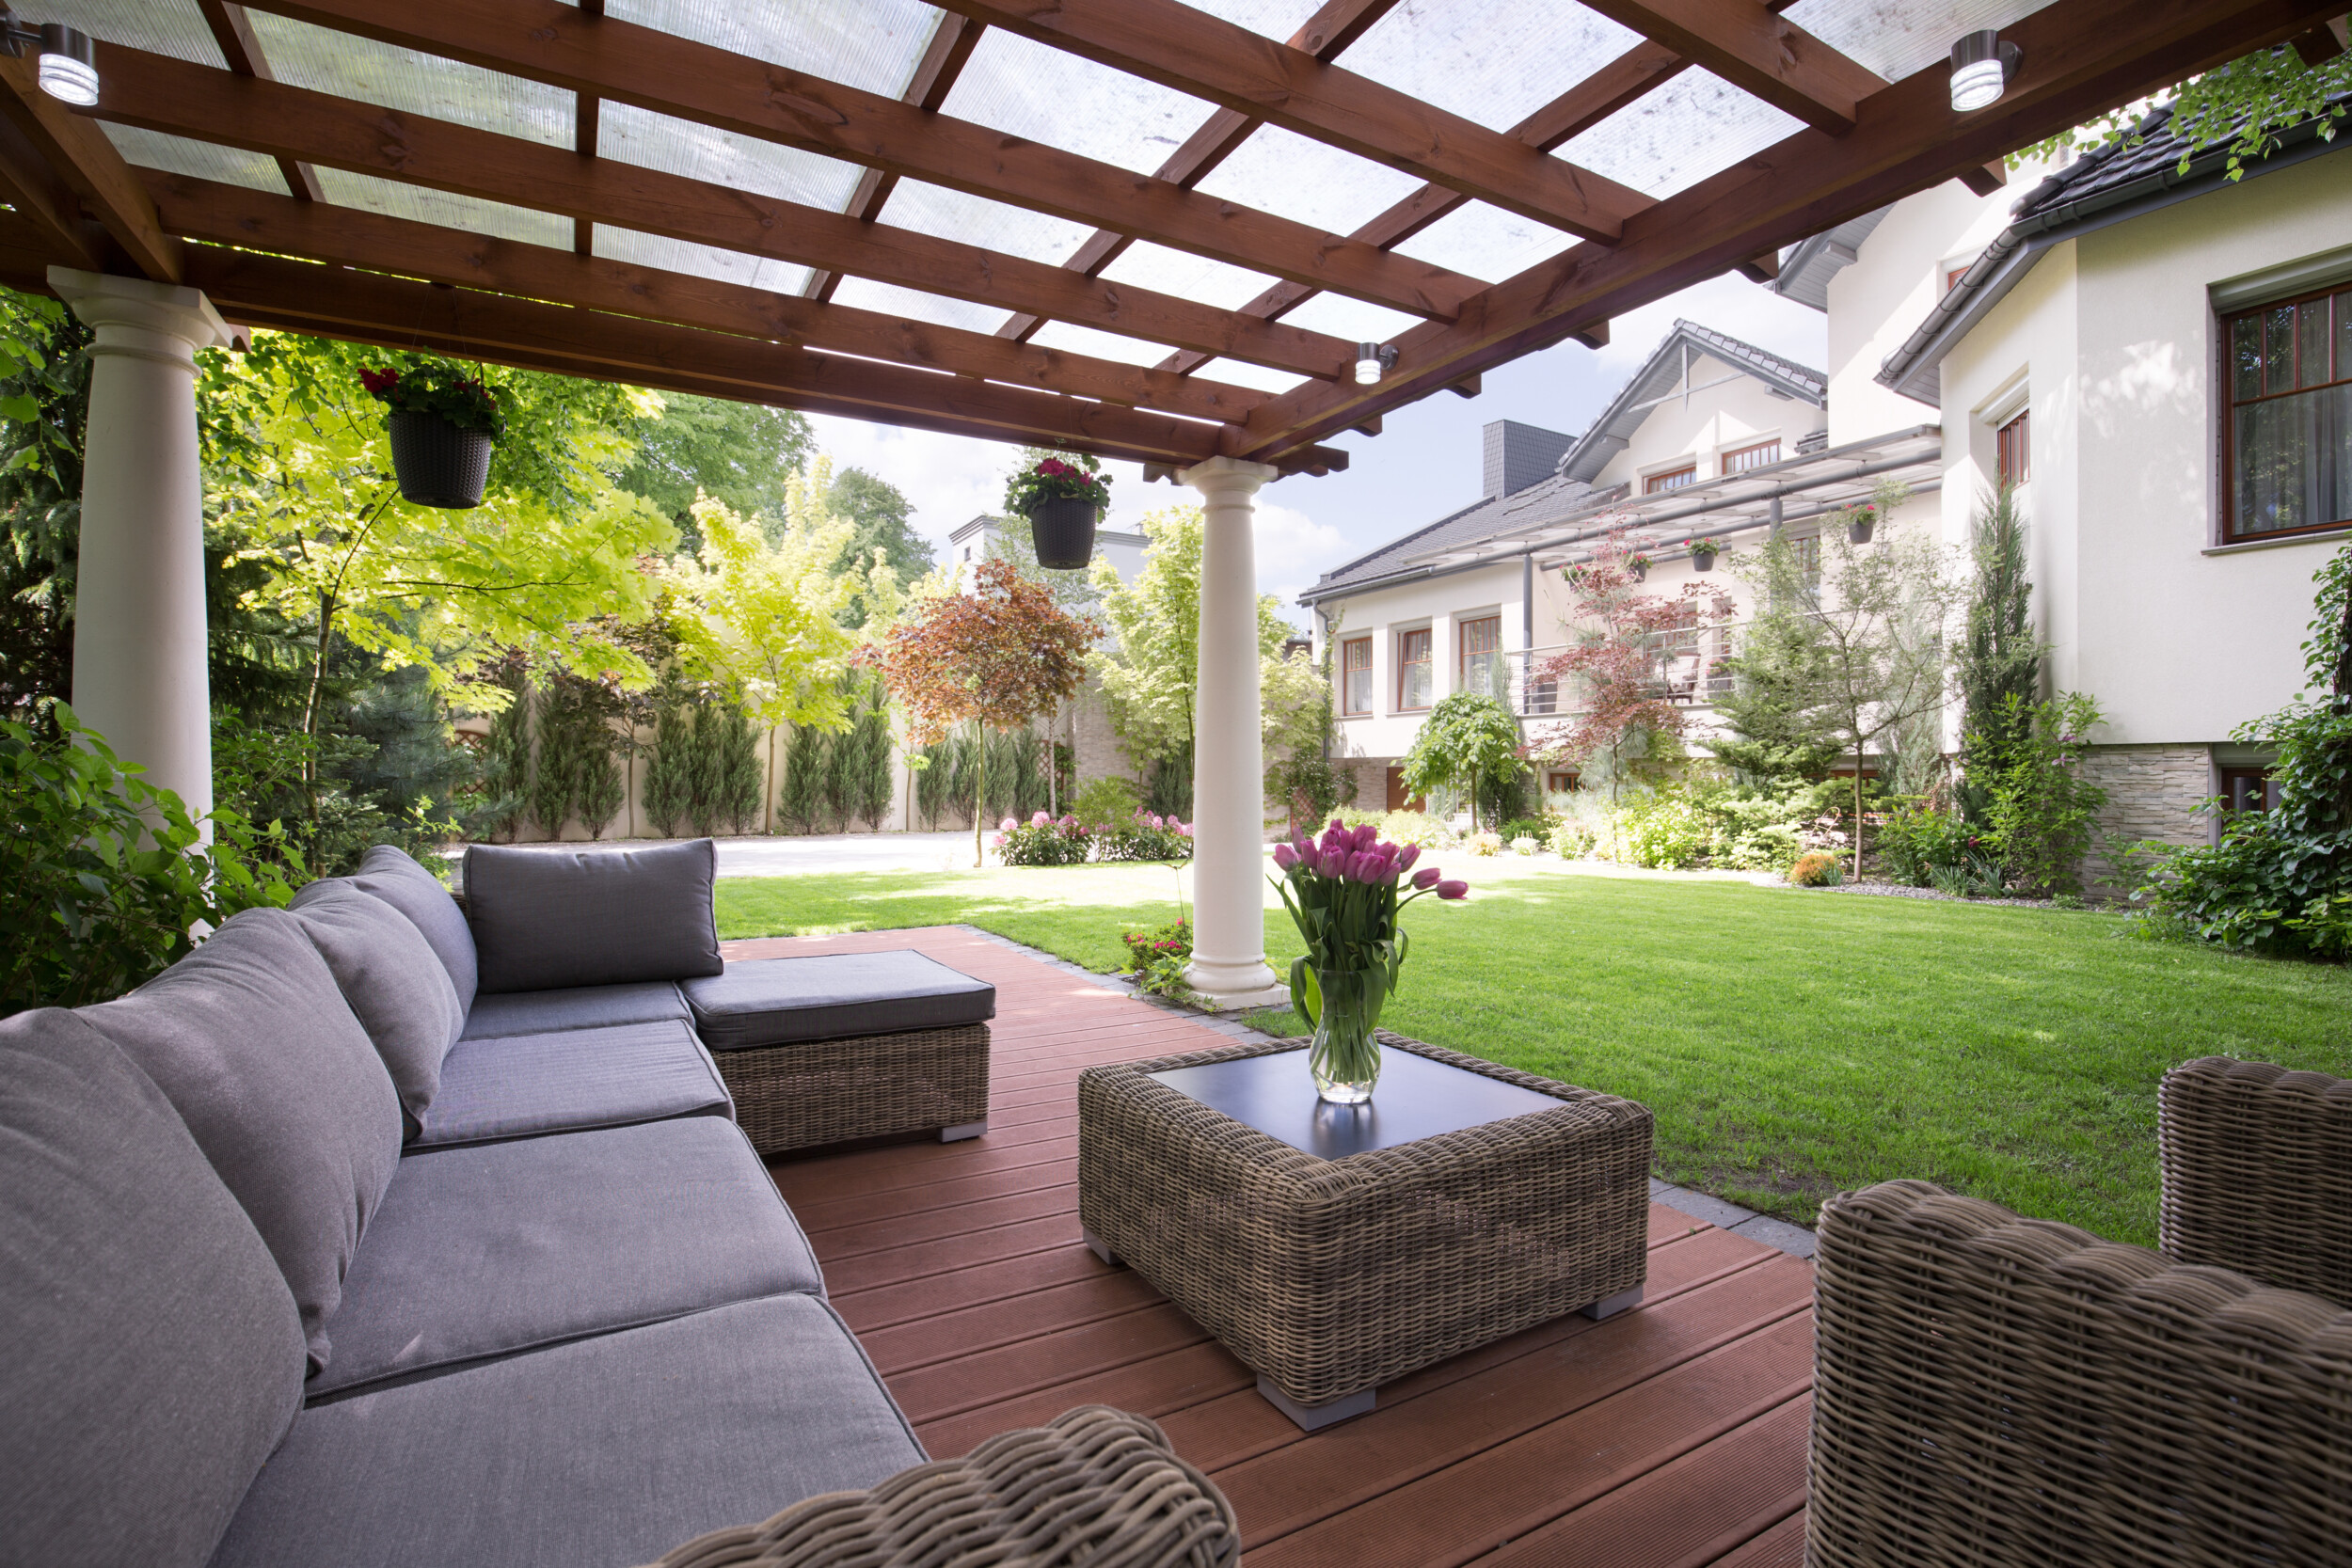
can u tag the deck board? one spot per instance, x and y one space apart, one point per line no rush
1671 1436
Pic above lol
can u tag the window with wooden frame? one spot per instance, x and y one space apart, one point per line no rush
1673 479
1356 676
1412 671
2287 444
1560 781
2013 449
1761 455
2249 789
1478 660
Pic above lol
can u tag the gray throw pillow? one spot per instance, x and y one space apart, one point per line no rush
392 875
549 919
253 1044
399 990
154 1357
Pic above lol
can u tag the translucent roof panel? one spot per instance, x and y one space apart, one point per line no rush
173 27
1650 145
419 205
891 300
1041 94
1187 276
698 260
1101 345
177 155
1351 319
352 67
1486 242
1239 372
976 220
870 44
1307 181
1492 61
1897 41
649 140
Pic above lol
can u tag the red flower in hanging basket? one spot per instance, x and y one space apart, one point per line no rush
1054 480
379 382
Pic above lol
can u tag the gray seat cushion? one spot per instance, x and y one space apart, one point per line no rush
388 873
395 985
154 1353
598 1453
553 919
527 1084
833 996
547 1012
252 1043
497 1247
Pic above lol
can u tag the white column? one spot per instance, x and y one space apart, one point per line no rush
1228 761
139 654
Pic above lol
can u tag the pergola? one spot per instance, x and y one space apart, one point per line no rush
966 219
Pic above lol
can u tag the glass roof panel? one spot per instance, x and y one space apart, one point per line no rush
674 145
352 67
1187 276
1041 94
1650 145
870 44
178 155
1101 345
1240 372
173 27
1492 61
1307 181
1486 242
420 205
1898 40
976 220
699 261
891 300
1351 319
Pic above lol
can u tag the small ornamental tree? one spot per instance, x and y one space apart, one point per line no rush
998 657
1467 741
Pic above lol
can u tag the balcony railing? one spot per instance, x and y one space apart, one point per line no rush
1688 668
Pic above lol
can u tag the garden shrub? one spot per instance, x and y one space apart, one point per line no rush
1043 841
1145 836
1526 844
1535 828
1405 827
1484 844
1106 802
1664 829
1158 959
1914 840
1816 868
1571 841
2041 810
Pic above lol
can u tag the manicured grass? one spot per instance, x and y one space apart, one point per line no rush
1790 1044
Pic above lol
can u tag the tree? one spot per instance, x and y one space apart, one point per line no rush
2245 104
736 453
878 512
1774 712
1999 670
1468 740
998 656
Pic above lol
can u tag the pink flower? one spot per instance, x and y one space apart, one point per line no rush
1040 820
1007 825
1426 878
1184 831
1453 890
1407 856
1366 837
998 840
1285 857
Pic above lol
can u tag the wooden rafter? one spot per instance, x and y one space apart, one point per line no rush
587 122
259 220
1746 45
548 42
169 95
242 52
48 213
1255 77
80 159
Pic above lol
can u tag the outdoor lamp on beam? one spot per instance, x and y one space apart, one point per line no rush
1373 361
1981 66
69 61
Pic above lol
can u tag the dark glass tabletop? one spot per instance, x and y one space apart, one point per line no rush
1416 1099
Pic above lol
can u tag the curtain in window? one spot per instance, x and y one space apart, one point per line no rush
2295 461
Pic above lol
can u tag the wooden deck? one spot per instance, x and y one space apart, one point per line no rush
1673 1435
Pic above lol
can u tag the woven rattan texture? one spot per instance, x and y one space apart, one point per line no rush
2008 1393
814 1092
1094 1486
1329 1276
2258 1173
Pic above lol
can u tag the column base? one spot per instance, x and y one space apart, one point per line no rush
1247 979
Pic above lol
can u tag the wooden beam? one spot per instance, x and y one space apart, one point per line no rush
2317 45
242 51
1986 178
48 212
587 118
1752 48
545 40
2078 59
1192 51
258 220
77 154
1592 335
1468 387
169 95
1761 268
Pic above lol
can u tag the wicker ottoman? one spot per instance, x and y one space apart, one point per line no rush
833 1047
1485 1202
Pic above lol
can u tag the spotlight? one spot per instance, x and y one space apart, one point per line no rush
1981 66
1373 360
69 61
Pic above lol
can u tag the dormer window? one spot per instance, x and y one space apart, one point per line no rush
1672 479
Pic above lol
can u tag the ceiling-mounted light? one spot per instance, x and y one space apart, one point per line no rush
1373 361
1981 66
69 61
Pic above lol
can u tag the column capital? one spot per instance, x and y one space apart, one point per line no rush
132 315
1228 476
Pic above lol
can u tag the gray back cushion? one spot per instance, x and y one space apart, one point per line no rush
153 1355
418 893
252 1043
399 990
546 919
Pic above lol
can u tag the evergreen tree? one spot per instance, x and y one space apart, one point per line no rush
807 759
1999 657
506 757
668 794
1776 714
735 773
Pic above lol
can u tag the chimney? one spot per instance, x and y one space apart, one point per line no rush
1519 455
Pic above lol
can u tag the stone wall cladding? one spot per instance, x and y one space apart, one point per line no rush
2153 792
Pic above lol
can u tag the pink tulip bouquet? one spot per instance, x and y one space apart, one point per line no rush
1344 891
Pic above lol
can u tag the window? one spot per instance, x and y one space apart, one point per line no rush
2249 789
2013 450
1480 666
1559 781
1675 480
1809 553
1412 670
1761 455
1356 676
2288 444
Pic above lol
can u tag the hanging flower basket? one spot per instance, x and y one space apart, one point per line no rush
1064 532
1639 566
1703 553
1063 501
443 423
1859 523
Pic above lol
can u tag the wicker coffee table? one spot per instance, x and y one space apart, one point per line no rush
1334 1250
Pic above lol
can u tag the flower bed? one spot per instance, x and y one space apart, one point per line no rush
1145 836
1043 841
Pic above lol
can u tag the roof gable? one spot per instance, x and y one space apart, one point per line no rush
1664 372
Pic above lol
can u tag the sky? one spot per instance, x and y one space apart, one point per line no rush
1426 464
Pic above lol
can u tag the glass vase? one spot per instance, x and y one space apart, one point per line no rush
1345 1058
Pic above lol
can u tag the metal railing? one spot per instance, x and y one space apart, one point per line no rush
1688 668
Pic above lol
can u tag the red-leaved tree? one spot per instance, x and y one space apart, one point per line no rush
1000 655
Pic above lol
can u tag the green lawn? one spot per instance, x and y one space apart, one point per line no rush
1790 1044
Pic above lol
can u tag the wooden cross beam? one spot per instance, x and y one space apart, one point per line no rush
242 51
1746 45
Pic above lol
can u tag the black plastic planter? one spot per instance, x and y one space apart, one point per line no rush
1639 570
1703 560
437 463
1859 533
1064 531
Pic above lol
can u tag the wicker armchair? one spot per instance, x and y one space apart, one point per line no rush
1992 1391
1094 1486
2258 1173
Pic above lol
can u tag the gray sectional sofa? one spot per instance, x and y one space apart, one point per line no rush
382 1231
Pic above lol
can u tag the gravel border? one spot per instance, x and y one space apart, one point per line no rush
1897 890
